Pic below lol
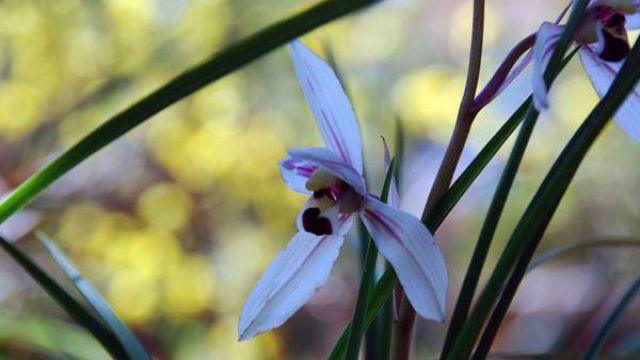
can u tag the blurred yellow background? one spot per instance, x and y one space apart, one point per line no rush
175 222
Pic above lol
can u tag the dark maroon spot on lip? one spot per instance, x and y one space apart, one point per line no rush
314 223
615 49
615 20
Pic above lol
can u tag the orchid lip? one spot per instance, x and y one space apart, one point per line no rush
316 224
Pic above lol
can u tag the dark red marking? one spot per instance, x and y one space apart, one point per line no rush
615 49
316 224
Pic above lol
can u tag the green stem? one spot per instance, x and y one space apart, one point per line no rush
385 285
221 64
357 323
368 276
597 343
406 321
536 218
464 181
487 233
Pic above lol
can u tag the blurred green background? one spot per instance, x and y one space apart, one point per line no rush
175 222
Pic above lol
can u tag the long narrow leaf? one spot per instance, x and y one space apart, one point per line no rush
384 288
223 63
612 320
77 312
471 172
127 339
532 225
474 270
486 341
382 293
571 248
463 345
371 257
490 224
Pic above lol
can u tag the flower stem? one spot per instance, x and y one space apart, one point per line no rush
444 177
367 282
381 294
494 213
486 234
531 227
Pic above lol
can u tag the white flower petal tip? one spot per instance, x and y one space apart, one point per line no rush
404 241
329 104
602 74
288 283
546 40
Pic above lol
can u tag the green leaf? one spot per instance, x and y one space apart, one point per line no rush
127 339
77 312
471 172
384 288
478 259
357 324
571 248
532 225
597 343
49 337
221 64
500 310
472 275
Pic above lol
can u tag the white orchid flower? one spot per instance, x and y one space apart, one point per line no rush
332 177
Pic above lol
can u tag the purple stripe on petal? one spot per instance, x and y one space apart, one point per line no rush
330 105
295 172
379 220
414 255
330 161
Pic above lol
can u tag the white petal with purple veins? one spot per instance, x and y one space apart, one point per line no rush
295 172
404 241
289 282
546 40
330 105
329 161
602 74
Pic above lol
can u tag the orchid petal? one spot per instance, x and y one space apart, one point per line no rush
394 196
405 242
328 160
602 74
330 105
633 22
289 282
340 223
546 40
295 172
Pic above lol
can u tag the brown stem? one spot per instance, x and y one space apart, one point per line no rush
407 317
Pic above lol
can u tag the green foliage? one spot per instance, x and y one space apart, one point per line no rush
127 339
